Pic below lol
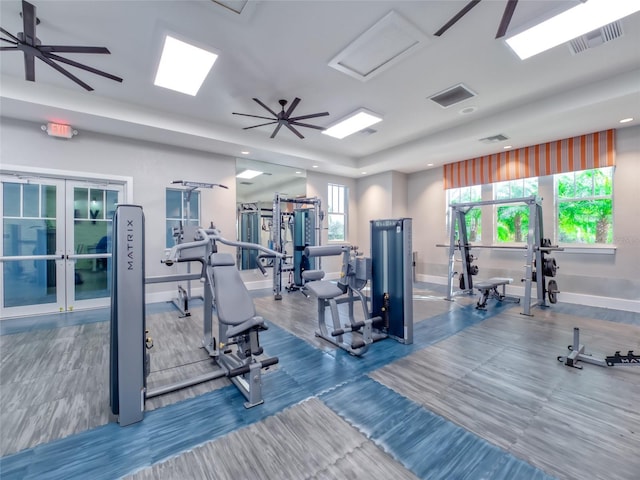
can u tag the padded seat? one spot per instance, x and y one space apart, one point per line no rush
234 305
324 289
312 275
492 283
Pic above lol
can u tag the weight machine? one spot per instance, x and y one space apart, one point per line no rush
388 271
306 224
237 346
538 265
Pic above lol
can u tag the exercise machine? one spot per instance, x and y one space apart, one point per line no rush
356 336
388 313
577 354
304 224
235 348
538 266
186 230
392 278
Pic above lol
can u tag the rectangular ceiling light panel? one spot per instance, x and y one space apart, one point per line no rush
380 47
358 120
570 24
249 174
183 67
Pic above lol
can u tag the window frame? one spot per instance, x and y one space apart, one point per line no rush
341 191
495 186
169 240
559 200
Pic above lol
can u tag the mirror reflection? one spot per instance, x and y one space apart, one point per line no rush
256 184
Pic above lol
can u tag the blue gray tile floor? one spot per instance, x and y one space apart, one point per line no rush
479 395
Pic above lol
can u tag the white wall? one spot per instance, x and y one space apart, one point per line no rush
318 186
582 277
152 166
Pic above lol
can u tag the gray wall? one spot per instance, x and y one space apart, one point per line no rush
388 195
152 166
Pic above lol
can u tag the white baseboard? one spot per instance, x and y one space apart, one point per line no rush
566 297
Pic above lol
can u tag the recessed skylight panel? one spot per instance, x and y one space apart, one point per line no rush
183 67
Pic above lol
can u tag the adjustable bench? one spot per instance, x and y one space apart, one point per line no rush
489 288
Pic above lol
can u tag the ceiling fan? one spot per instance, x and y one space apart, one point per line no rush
27 42
502 28
284 118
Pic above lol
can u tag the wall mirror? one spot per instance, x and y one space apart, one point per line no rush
256 184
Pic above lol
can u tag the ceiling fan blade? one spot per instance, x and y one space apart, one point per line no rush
293 105
265 107
313 115
72 49
506 18
277 129
457 17
261 125
29 67
4 49
252 116
299 124
29 23
294 130
64 72
82 67
12 37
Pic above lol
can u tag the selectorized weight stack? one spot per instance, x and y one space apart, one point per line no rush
392 276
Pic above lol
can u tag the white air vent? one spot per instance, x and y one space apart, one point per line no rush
367 131
386 43
452 96
494 139
246 183
596 38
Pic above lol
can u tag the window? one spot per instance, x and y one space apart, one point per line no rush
178 209
512 220
584 201
337 213
473 217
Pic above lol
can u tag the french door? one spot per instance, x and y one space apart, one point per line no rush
56 250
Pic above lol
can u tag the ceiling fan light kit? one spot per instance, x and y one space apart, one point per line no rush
27 43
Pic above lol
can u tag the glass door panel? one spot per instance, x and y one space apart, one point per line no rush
89 243
32 278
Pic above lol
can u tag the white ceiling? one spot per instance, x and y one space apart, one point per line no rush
281 49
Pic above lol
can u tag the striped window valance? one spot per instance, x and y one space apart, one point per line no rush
594 150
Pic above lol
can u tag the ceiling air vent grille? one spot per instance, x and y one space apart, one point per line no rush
494 139
596 38
452 96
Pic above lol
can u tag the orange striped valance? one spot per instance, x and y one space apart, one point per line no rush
594 150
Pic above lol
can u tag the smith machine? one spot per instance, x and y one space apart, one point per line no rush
234 349
305 224
538 266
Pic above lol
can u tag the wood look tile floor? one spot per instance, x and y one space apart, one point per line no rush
497 379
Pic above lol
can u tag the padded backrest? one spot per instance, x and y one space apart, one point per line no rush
234 305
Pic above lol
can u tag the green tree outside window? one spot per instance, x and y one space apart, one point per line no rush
585 206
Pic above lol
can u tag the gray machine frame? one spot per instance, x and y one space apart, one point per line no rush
129 364
276 236
388 311
535 250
